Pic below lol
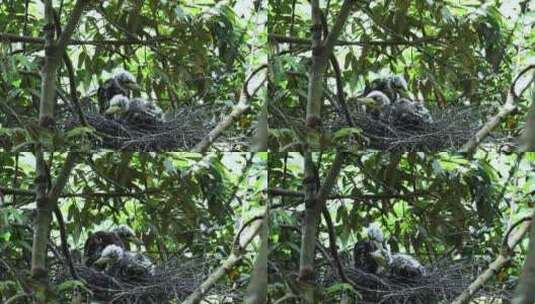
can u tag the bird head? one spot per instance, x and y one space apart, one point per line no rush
369 256
126 79
127 234
379 256
375 233
398 83
118 104
153 108
376 100
110 254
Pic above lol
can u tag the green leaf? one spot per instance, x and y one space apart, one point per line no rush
73 284
79 131
344 132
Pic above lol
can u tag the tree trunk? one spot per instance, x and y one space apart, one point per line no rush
315 199
525 293
257 290
46 202
528 137
309 231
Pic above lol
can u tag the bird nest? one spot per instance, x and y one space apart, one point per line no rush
442 283
173 280
451 128
188 127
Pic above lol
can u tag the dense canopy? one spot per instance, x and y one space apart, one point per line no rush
185 55
454 54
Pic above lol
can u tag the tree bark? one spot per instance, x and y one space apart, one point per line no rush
528 137
508 107
525 293
503 258
257 290
47 200
53 56
235 256
321 51
46 203
315 199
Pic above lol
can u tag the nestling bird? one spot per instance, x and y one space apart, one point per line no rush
95 244
135 109
121 83
370 255
393 87
405 266
125 265
373 256
409 113
375 103
127 235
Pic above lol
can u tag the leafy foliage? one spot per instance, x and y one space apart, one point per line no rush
452 54
183 53
438 207
181 205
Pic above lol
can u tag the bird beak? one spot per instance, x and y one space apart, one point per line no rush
378 256
136 241
367 101
112 110
133 86
102 261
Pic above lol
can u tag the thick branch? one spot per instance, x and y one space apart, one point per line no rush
46 203
494 121
119 42
315 75
29 193
74 18
314 202
11 191
235 256
42 221
494 267
290 193
338 26
321 52
302 41
524 292
48 79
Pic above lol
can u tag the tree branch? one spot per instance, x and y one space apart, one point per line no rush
332 244
338 26
46 203
291 193
302 41
314 202
321 52
13 38
494 121
235 256
211 137
72 23
240 108
503 258
63 176
330 181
